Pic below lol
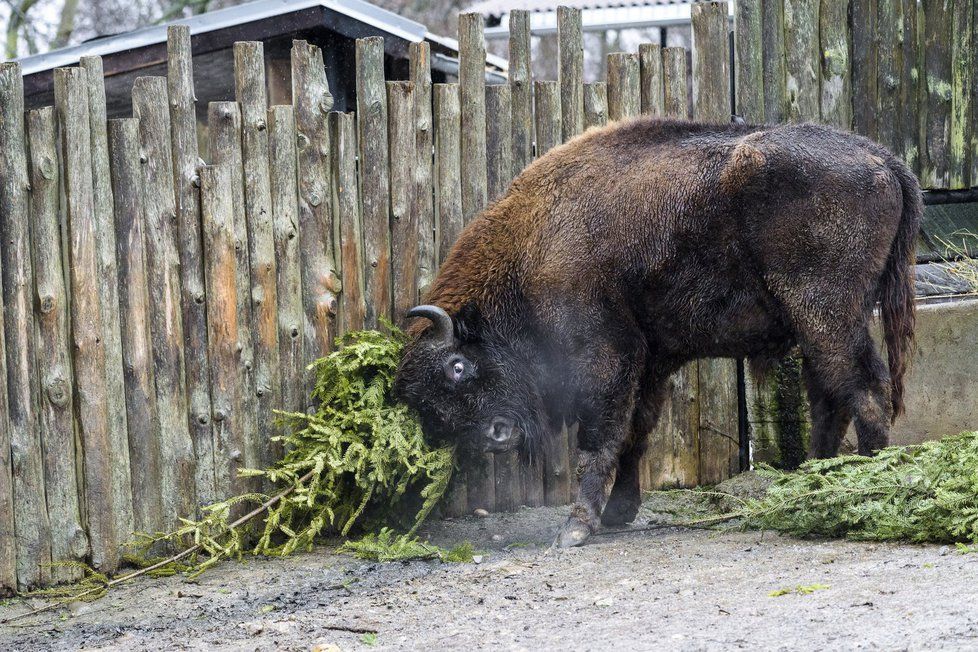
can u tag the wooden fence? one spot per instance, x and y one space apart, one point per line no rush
156 309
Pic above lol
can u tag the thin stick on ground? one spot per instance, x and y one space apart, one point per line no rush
264 507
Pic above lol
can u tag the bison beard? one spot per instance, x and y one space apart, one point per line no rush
635 248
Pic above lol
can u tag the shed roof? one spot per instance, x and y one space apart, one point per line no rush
500 7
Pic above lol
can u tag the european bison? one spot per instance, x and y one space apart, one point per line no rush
635 248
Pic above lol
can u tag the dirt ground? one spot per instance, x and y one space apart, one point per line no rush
667 588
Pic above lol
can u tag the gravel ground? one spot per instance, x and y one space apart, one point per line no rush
666 588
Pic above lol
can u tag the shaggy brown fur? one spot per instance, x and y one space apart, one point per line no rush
635 248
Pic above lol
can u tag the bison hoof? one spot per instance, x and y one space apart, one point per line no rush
574 533
619 512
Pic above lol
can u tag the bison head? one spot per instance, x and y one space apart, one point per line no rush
472 385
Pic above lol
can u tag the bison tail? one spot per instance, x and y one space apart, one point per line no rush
896 290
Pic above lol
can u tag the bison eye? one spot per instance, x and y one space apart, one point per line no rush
456 369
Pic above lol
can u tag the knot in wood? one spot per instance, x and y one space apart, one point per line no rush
373 263
315 199
46 304
295 332
78 542
236 455
195 181
219 416
47 168
199 298
260 125
58 392
301 141
203 419
326 104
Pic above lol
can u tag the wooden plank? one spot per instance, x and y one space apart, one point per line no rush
55 402
249 82
673 453
521 88
224 131
30 514
177 459
285 216
938 94
749 53
718 434
217 219
424 192
962 78
835 104
624 94
910 86
499 139
711 63
570 71
12 203
374 180
595 104
108 289
676 75
889 22
404 220
344 139
193 308
134 319
651 73
802 59
88 354
447 166
974 86
547 98
862 16
472 96
320 280
557 470
773 64
506 466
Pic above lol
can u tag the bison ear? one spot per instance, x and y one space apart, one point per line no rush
444 330
469 324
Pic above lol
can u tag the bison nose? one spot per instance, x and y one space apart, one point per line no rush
500 432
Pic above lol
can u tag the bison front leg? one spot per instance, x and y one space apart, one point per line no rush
605 427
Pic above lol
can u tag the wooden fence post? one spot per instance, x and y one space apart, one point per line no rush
889 65
320 276
472 96
217 221
403 219
938 93
802 60
56 407
711 63
184 147
773 65
499 139
676 74
71 100
108 288
962 79
624 94
249 81
570 71
911 115
343 136
595 104
836 85
12 202
177 459
448 167
749 50
284 197
30 513
137 355
650 70
546 95
225 134
865 37
424 207
374 179
521 88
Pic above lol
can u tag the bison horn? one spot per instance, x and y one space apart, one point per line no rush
444 329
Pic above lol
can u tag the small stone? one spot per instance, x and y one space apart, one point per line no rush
477 559
481 513
604 602
497 537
